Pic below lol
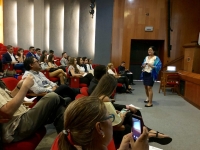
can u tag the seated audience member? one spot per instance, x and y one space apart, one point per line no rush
68 58
89 65
64 61
85 63
121 79
99 71
31 52
54 73
53 65
93 129
125 72
44 85
44 52
20 55
38 53
80 65
104 90
51 52
24 122
10 58
73 71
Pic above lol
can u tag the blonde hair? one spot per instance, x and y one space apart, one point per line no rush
80 118
109 65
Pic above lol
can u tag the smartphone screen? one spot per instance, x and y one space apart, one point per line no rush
136 128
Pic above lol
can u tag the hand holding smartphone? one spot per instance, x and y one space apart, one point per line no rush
137 127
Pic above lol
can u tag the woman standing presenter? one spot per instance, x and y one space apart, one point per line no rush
151 67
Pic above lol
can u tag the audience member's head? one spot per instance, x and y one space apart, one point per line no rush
85 60
32 49
86 124
43 58
106 86
79 61
110 66
10 49
99 71
89 61
20 52
123 63
38 51
51 58
73 62
31 63
68 57
44 52
51 52
64 55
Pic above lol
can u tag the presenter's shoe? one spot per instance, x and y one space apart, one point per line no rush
161 140
146 101
149 105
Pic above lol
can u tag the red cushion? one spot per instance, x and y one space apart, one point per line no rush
82 85
18 71
79 96
119 84
53 79
84 91
29 143
10 82
111 145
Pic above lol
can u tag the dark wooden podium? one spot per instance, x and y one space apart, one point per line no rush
190 75
192 58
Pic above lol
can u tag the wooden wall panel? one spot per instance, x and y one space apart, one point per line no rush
117 31
185 21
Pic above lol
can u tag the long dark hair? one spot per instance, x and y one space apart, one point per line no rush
78 61
50 58
71 62
19 54
80 118
154 49
42 57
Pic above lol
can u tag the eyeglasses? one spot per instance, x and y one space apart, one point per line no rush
111 117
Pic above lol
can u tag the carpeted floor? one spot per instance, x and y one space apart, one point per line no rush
170 114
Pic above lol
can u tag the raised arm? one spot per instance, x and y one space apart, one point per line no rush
11 107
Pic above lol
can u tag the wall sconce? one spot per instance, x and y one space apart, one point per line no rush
92 5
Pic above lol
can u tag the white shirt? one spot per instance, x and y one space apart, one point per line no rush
89 67
149 61
111 72
80 68
12 57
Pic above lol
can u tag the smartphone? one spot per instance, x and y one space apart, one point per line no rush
137 127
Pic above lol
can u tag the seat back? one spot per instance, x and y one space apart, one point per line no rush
172 79
10 82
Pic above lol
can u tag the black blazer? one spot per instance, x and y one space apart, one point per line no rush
7 59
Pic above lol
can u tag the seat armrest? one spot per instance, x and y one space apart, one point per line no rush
35 95
27 103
